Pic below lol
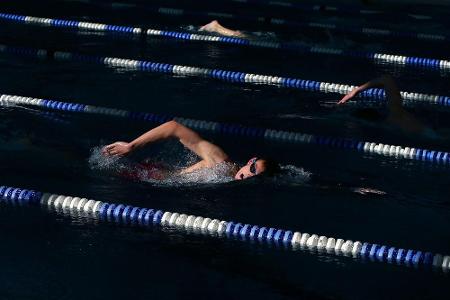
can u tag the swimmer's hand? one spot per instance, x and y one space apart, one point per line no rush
117 149
350 95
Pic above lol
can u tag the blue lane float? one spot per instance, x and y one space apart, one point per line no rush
329 8
421 62
171 11
24 51
401 60
375 94
242 77
399 152
382 32
147 218
314 25
303 6
70 24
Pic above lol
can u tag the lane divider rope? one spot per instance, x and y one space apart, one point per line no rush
276 21
69 23
382 32
328 8
225 75
399 152
401 60
147 217
426 63
314 25
309 7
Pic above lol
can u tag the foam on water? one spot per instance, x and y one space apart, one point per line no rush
221 173
98 161
293 175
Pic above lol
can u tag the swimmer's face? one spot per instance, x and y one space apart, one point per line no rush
253 167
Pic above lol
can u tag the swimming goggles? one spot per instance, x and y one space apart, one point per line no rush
252 163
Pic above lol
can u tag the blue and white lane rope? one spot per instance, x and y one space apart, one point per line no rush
429 156
328 8
426 63
241 77
315 25
148 217
313 7
225 75
309 7
24 51
70 24
277 21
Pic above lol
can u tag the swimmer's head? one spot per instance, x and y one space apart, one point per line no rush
257 166
368 114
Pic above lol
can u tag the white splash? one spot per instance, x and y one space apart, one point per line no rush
293 174
98 161
220 173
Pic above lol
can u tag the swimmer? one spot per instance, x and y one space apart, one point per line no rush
214 26
397 115
211 155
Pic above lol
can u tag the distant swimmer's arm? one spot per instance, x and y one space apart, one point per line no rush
214 26
392 93
189 138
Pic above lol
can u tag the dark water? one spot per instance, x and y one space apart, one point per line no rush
46 255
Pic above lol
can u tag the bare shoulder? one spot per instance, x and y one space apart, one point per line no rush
214 153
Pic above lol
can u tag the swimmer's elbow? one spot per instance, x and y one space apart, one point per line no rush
176 127
183 133
172 124
173 128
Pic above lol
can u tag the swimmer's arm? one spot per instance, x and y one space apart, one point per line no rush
210 153
172 129
392 93
161 132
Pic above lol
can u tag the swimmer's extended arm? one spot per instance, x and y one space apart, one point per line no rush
209 152
214 26
392 93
